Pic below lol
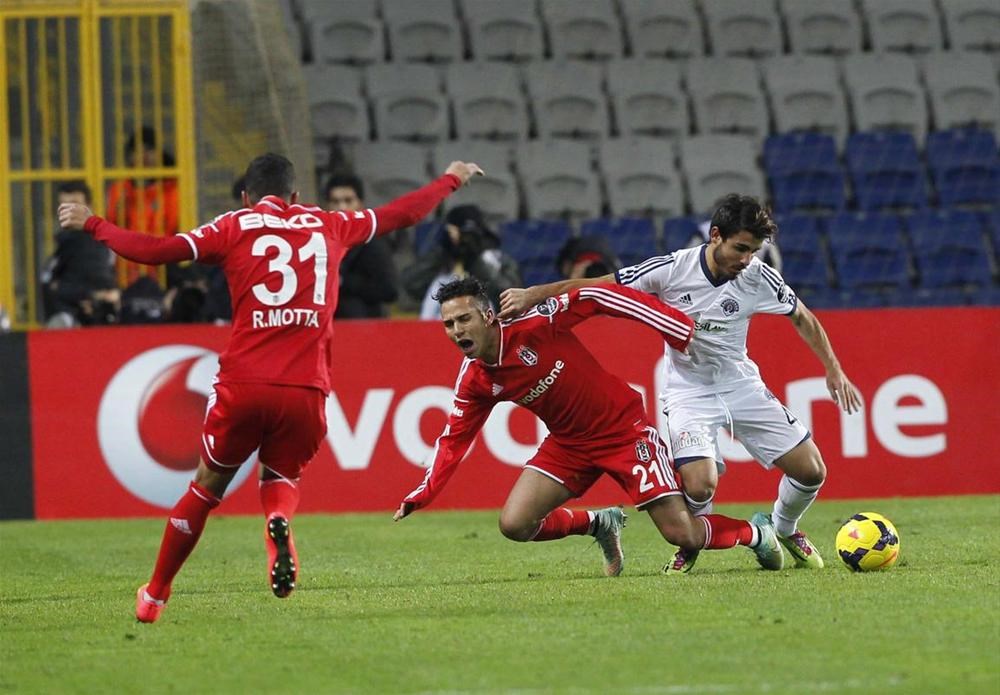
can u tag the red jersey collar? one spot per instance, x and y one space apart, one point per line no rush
272 201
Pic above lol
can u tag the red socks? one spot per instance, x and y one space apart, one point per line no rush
723 532
563 522
184 527
279 496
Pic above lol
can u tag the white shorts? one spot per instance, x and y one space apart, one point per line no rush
753 414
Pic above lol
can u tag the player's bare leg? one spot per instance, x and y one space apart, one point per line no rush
184 527
280 497
804 475
700 477
534 512
713 531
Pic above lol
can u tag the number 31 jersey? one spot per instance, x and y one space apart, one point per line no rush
282 265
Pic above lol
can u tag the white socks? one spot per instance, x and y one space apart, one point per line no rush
793 500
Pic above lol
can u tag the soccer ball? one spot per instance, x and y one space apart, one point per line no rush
868 541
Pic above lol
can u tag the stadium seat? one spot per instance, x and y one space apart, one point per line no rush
336 107
389 169
587 30
805 94
948 248
989 296
633 239
885 93
428 30
912 26
496 193
558 180
804 173
641 177
743 27
508 30
973 24
568 99
932 297
408 102
345 32
530 241
714 165
886 171
488 100
868 250
680 232
647 97
965 166
426 234
822 26
727 96
663 28
963 90
803 256
993 231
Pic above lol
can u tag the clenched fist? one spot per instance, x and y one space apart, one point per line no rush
73 215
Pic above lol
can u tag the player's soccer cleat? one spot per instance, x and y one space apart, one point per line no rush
147 608
768 550
608 525
682 562
282 559
802 550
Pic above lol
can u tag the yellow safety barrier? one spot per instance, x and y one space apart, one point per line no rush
98 91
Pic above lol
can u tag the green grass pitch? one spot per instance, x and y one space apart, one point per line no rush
441 603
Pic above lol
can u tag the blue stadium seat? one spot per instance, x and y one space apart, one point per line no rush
886 171
679 231
937 296
989 296
803 258
633 239
539 271
804 173
426 234
993 231
534 240
948 248
868 250
965 166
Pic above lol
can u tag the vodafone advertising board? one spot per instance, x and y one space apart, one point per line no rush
116 413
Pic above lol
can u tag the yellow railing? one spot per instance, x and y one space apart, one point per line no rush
82 77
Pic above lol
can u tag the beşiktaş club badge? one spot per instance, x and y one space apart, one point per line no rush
527 355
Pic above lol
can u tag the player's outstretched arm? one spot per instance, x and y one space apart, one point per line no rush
408 209
842 391
516 300
135 246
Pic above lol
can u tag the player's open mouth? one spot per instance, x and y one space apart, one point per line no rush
466 345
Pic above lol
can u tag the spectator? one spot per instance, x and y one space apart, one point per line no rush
147 205
368 277
78 280
586 257
465 247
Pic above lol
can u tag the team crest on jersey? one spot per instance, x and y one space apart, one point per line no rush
642 451
548 307
729 306
785 294
527 355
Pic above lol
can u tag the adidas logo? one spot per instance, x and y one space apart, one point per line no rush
497 388
686 299
181 525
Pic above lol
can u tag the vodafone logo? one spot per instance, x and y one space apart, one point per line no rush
149 421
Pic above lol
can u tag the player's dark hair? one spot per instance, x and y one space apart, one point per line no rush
344 181
269 174
75 187
469 286
735 213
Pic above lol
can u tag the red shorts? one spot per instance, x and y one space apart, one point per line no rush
640 466
287 424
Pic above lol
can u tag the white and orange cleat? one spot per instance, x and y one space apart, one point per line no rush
147 608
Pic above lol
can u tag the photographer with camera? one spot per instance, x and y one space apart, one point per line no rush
466 246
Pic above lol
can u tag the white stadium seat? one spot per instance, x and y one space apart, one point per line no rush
903 25
558 179
426 30
822 26
973 24
336 107
727 96
568 98
885 92
647 97
641 177
496 193
583 29
806 94
344 32
408 102
507 30
714 165
962 89
743 27
389 169
488 100
663 28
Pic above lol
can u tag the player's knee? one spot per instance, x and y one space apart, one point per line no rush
814 473
517 529
700 490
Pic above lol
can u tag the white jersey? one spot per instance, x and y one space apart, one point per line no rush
716 361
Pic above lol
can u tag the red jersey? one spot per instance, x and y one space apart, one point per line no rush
543 367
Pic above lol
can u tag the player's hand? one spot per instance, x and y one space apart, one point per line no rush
514 301
464 171
405 509
843 392
73 215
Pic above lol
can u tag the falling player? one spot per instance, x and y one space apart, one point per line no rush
281 262
722 284
597 423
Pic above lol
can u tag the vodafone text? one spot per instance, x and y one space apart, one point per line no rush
543 384
891 409
273 318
